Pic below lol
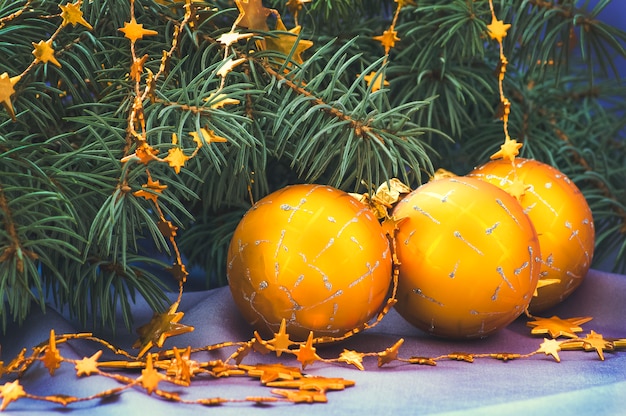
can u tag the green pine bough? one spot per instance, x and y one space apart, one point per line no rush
72 231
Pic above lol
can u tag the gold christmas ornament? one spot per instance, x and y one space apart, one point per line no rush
313 256
469 258
561 216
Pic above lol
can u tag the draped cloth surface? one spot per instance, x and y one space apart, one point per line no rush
580 384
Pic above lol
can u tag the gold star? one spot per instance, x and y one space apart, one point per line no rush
151 185
229 65
6 91
135 31
160 327
252 15
281 341
268 373
182 366
220 100
315 383
508 150
72 14
229 38
150 377
301 396
44 53
517 189
557 327
306 353
52 357
388 39
11 392
376 81
390 354
497 29
136 68
285 42
208 136
352 357
545 282
595 341
87 366
551 347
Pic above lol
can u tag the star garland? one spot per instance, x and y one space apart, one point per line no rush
287 383
497 31
43 51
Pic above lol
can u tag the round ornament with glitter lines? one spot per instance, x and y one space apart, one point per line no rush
312 255
469 258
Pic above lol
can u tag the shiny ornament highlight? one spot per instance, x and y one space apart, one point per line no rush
469 258
562 218
312 255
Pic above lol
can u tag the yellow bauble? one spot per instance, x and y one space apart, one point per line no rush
312 255
469 258
562 218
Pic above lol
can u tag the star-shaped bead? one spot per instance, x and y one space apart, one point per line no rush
595 341
229 65
281 341
160 327
285 42
557 327
252 15
508 150
306 353
375 81
268 373
52 357
497 29
229 38
390 354
206 136
301 396
6 91
135 31
88 366
352 357
388 39
44 53
517 189
10 392
551 347
150 377
71 14
314 383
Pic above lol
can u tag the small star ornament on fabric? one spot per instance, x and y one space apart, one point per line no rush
557 327
52 357
551 347
10 392
88 365
162 326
